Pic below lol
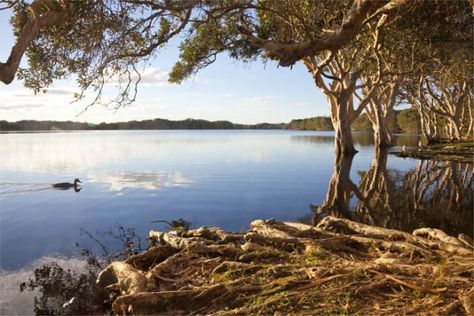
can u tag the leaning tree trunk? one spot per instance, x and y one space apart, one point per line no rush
340 94
379 110
382 135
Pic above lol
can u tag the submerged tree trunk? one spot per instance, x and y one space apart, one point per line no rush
382 132
383 137
343 142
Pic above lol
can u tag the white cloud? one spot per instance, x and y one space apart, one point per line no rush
154 77
149 77
61 91
261 100
20 106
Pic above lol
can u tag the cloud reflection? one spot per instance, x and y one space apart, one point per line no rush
151 181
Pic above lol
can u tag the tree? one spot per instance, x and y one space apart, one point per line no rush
99 40
439 84
94 41
320 123
409 121
132 30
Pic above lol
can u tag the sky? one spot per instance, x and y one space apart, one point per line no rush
226 90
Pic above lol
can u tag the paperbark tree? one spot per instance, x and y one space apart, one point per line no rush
443 64
340 92
155 21
379 110
451 102
96 41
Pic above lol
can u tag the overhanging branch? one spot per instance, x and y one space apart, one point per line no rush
61 15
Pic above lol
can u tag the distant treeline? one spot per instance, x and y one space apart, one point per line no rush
319 123
30 125
402 121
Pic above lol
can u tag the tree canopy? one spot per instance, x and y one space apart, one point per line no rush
95 40
365 55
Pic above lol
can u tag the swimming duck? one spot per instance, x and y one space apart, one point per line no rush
67 185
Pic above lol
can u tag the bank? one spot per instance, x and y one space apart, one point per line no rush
455 151
338 267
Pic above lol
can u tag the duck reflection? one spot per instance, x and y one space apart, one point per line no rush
435 194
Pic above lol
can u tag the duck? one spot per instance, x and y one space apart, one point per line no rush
67 185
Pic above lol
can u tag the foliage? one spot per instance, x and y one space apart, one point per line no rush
377 42
178 225
319 123
362 123
409 121
159 124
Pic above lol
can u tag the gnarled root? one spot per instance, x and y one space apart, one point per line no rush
337 267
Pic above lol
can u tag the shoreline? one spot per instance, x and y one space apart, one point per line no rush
278 268
462 152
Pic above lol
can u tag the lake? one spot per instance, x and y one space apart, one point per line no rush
210 178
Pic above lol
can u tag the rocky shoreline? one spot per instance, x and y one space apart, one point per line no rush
338 267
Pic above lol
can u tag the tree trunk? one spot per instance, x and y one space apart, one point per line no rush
382 135
456 136
343 142
343 139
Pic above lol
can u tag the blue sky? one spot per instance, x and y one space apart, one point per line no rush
226 90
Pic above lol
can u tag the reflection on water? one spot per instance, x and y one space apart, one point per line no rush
14 302
211 178
435 194
143 180
360 139
10 188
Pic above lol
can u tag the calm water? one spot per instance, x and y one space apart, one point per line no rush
211 178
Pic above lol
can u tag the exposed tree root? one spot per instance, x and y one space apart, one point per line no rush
337 267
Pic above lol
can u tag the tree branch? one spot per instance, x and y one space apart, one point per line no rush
289 53
37 22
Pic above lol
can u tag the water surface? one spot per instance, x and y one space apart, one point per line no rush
211 178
